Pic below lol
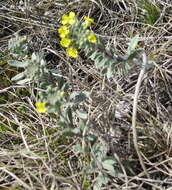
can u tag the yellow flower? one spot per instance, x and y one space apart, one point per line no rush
63 31
65 42
72 52
41 107
92 38
88 21
68 19
64 19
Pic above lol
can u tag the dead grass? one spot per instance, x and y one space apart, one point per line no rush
33 155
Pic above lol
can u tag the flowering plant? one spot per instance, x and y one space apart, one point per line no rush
54 96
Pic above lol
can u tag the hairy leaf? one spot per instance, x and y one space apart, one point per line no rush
18 76
21 64
132 45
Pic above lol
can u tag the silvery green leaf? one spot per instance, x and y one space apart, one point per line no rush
34 56
69 114
76 130
79 148
68 104
132 45
18 76
15 63
52 109
68 133
55 71
101 61
109 161
73 95
94 55
82 124
81 114
89 53
97 186
99 150
108 165
102 178
23 81
109 72
80 98
86 93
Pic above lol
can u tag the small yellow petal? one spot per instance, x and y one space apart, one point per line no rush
71 21
72 14
88 21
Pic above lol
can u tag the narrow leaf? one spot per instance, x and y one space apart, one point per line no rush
109 72
90 52
94 55
18 76
23 81
69 114
68 133
80 98
15 63
82 124
102 63
132 45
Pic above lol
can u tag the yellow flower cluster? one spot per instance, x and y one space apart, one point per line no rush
63 31
68 21
41 107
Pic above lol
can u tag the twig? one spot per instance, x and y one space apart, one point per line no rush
135 103
16 178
